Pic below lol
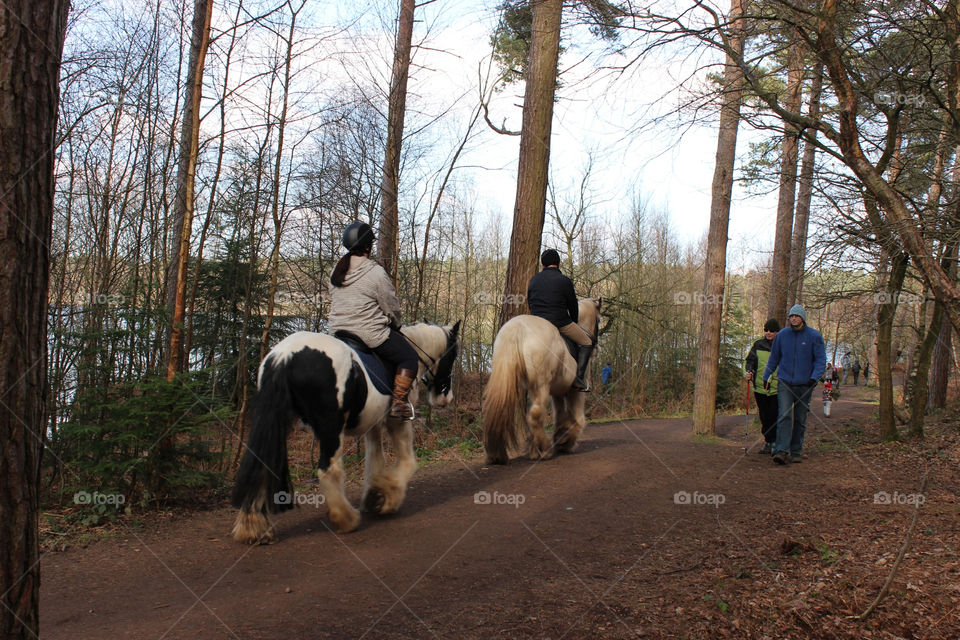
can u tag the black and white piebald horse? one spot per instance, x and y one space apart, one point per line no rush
321 380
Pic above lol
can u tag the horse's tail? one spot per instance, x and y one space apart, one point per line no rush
262 484
502 397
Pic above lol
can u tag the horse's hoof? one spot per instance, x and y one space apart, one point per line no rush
253 528
566 448
497 459
348 523
374 500
540 454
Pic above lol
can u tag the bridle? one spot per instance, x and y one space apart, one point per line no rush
431 366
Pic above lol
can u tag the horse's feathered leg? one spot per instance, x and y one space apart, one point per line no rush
570 419
387 490
561 419
539 445
398 476
374 466
342 514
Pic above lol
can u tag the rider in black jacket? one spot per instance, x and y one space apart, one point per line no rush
551 296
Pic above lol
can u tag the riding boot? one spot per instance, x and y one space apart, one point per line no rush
400 407
583 361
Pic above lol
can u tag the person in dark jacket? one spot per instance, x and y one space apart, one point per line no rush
551 296
799 357
766 397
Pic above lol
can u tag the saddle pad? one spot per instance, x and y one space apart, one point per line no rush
381 378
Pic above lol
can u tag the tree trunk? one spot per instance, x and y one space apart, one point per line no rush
397 105
886 310
31 45
186 177
919 389
533 167
896 214
711 307
780 273
940 370
211 205
802 218
278 209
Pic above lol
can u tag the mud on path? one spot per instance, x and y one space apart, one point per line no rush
641 533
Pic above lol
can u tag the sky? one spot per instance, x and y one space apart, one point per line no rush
670 164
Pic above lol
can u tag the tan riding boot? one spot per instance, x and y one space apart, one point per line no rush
400 407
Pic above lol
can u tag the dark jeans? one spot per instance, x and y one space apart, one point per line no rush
398 352
793 402
767 407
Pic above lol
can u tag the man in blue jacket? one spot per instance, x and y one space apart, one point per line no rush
799 357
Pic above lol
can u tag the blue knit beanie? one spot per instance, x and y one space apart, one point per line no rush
798 310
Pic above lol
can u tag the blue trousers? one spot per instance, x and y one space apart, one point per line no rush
793 402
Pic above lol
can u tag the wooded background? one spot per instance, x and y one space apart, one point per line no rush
209 155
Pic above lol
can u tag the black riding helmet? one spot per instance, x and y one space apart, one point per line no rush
358 237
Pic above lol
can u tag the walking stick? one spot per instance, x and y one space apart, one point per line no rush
746 426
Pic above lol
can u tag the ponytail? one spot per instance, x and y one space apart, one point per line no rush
343 265
340 271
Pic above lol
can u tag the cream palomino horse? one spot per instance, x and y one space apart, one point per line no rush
531 359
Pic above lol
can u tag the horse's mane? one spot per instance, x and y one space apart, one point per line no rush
430 337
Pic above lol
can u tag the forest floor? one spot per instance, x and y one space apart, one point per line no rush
642 532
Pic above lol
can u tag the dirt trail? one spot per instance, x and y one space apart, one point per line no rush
598 548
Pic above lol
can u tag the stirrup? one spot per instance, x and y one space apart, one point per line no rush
413 412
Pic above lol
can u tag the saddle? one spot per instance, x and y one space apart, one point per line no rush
380 371
572 346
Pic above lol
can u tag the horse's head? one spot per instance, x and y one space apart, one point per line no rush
440 383
437 347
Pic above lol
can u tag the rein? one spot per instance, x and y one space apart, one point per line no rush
426 364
